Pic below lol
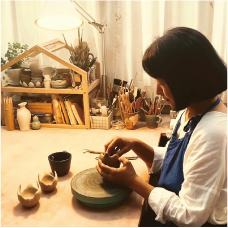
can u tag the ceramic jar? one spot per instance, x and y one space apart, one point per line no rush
23 117
36 123
15 76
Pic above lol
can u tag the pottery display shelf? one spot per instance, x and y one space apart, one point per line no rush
23 160
68 90
42 48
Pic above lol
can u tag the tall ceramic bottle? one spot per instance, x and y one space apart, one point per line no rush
23 117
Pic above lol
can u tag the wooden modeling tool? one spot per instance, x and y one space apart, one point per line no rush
138 103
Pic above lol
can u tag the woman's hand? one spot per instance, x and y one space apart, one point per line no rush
123 144
125 175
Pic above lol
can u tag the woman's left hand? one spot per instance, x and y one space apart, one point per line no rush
125 175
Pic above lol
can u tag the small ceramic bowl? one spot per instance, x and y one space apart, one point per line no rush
24 84
49 72
48 181
33 84
59 82
60 162
30 196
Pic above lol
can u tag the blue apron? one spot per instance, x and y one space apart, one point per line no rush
172 175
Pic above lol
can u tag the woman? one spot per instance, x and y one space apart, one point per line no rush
193 182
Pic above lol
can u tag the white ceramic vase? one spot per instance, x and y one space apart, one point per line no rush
23 117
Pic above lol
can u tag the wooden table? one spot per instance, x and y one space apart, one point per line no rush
24 155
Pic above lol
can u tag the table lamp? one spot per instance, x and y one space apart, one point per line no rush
62 17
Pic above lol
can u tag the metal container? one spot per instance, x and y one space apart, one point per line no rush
44 118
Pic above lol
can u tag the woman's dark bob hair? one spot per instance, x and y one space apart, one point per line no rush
188 63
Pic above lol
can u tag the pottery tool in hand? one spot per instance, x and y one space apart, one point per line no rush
128 158
93 152
99 152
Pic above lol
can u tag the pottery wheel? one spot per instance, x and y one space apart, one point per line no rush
90 188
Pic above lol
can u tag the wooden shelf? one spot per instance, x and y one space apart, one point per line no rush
68 90
64 126
41 90
37 49
93 85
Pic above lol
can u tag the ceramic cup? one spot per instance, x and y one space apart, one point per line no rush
131 120
153 120
60 162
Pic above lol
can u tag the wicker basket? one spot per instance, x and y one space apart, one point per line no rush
101 122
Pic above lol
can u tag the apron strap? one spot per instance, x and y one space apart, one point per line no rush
197 118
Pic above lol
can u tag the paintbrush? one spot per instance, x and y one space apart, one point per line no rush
78 37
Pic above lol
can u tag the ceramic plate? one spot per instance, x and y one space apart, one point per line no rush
93 190
59 86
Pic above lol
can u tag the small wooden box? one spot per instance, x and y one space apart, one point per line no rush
45 108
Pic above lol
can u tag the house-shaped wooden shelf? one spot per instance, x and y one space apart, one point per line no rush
48 48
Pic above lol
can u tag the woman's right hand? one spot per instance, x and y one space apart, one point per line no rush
123 145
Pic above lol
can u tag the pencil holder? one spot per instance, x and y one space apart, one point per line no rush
131 120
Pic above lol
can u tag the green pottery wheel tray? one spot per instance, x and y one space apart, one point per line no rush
93 190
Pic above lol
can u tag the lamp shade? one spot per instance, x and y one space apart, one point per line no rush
59 15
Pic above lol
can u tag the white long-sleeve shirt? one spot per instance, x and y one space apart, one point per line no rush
203 195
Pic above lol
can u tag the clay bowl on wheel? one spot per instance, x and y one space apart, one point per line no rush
112 161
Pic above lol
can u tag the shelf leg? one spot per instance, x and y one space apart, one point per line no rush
86 100
2 105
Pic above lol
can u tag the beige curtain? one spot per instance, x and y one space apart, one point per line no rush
131 27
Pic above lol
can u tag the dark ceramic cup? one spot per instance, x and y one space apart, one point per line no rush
60 162
153 120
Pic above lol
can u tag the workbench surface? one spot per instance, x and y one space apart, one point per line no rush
24 155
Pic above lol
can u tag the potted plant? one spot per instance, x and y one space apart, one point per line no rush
14 72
